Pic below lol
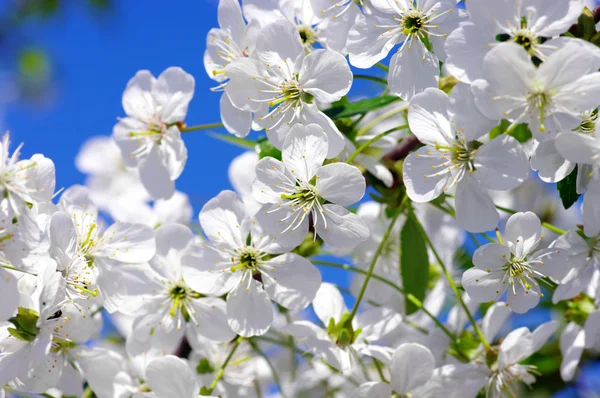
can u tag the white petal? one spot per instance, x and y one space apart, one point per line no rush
244 83
173 92
571 348
542 334
230 18
224 220
412 70
428 117
466 48
137 98
550 164
475 209
329 304
270 218
126 242
335 140
580 95
326 75
155 175
524 231
465 115
201 271
494 319
9 295
242 172
515 347
481 285
63 239
591 209
342 229
592 330
491 256
304 150
372 389
280 39
210 319
236 121
340 183
290 280
377 322
567 65
368 44
501 163
412 366
522 299
249 308
170 376
557 20
424 174
273 178
575 282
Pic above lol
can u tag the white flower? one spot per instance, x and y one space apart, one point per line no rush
513 265
550 98
315 25
281 84
296 189
583 251
340 345
583 149
108 178
9 294
553 166
584 332
526 23
411 368
504 376
231 41
149 136
234 261
421 27
25 184
452 158
160 299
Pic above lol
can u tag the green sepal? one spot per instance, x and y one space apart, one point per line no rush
25 324
205 392
204 367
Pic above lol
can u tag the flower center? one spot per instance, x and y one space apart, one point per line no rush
246 259
307 35
588 125
412 23
505 382
526 39
539 99
178 292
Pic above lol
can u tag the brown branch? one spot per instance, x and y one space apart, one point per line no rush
403 148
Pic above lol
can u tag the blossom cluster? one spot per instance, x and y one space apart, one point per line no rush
481 105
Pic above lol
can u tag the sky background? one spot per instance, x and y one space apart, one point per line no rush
94 55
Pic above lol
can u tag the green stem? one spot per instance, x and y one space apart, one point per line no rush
474 239
386 236
372 78
382 66
372 140
10 267
381 118
379 370
482 338
417 303
257 349
219 374
201 127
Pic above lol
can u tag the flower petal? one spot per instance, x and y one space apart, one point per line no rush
329 303
341 229
340 183
475 209
170 376
501 164
225 221
326 75
249 309
412 70
290 280
412 366
304 150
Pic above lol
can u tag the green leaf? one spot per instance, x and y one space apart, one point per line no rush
265 148
414 261
25 324
231 139
359 107
586 27
521 131
567 189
